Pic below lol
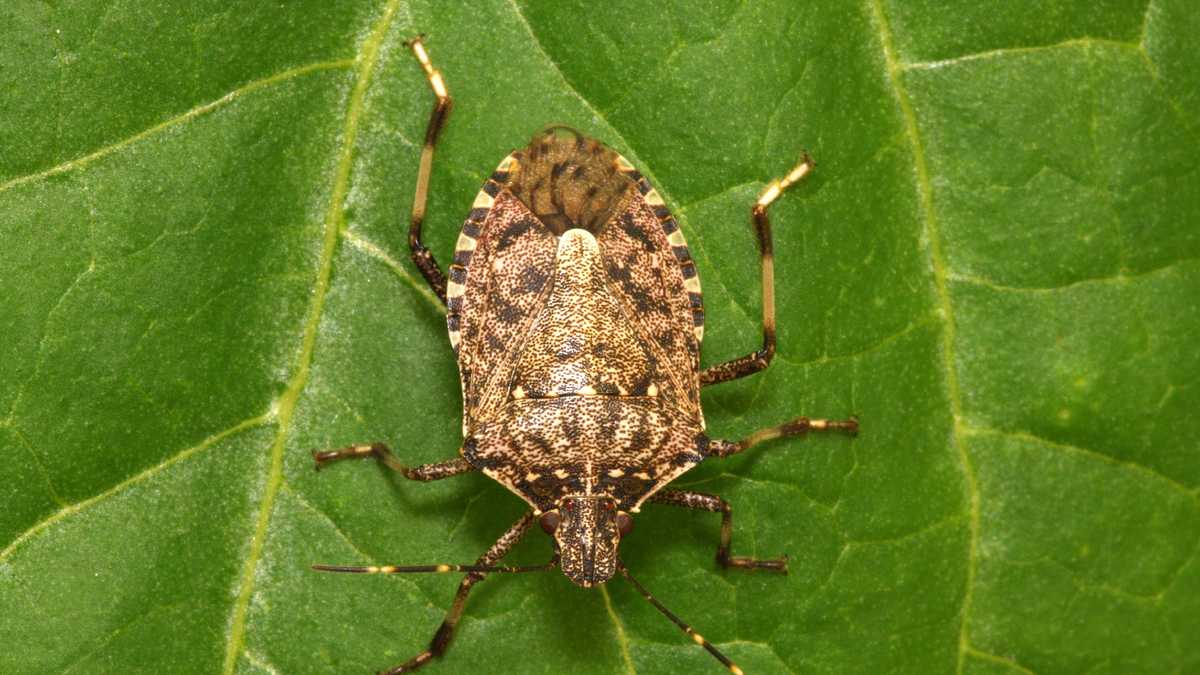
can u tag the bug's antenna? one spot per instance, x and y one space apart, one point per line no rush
437 569
696 637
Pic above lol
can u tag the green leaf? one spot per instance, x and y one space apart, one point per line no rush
996 266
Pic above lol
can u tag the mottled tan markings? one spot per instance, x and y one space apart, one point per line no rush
675 239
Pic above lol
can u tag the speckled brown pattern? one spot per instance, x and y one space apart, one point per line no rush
505 284
644 272
622 447
578 356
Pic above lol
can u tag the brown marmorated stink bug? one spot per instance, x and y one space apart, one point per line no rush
575 311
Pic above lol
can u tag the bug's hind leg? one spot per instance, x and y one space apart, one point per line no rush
421 255
383 454
707 502
758 360
445 632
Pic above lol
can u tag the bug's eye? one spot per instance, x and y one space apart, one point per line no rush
609 506
624 523
549 521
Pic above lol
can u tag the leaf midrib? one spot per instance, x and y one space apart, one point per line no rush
937 264
368 53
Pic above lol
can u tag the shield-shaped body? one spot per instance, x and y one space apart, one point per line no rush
576 314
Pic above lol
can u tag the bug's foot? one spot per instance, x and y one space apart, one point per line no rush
410 665
849 425
323 457
774 564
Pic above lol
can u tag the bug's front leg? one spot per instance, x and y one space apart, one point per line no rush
707 502
384 454
445 632
760 359
422 257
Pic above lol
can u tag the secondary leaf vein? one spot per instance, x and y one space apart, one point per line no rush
131 481
362 555
1001 660
366 246
1080 42
203 109
622 640
1074 449
1169 268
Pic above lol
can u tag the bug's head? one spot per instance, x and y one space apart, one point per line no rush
587 531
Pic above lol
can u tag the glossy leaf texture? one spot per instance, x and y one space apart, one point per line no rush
996 266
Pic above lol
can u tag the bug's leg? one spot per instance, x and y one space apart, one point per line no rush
445 632
758 360
421 255
696 637
381 452
706 502
718 447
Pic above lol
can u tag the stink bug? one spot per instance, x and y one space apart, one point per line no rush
575 311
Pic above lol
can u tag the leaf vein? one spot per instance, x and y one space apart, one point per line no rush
923 186
1156 79
363 555
131 481
260 662
1073 43
622 639
684 208
723 475
911 534
366 246
198 111
1168 268
1086 452
41 466
368 52
116 632
873 347
1001 660
41 350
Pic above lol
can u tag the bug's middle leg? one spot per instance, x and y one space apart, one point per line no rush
707 502
422 257
758 360
384 454
798 426
719 447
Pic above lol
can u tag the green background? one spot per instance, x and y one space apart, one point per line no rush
204 275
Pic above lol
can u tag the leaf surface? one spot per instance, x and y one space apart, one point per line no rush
995 267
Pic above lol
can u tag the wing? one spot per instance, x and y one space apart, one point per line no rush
651 270
502 263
